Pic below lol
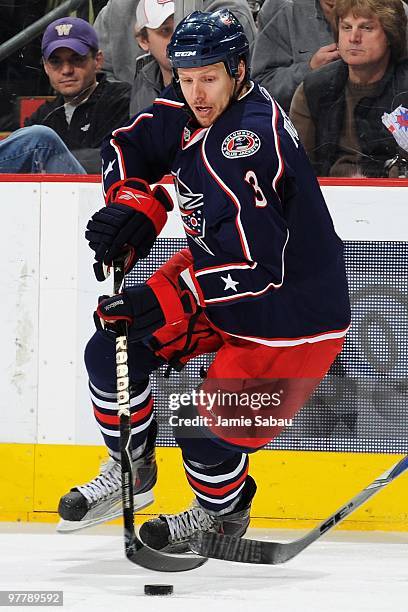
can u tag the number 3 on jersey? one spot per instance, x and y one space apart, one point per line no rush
251 179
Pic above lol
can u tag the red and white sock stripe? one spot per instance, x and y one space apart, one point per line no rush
218 487
105 412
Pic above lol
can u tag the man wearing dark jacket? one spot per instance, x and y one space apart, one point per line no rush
87 108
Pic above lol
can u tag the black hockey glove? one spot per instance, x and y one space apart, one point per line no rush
138 306
131 221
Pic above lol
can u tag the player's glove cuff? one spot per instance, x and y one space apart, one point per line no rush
131 222
154 204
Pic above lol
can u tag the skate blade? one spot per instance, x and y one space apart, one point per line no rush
142 500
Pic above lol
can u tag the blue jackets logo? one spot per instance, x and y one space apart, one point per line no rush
241 143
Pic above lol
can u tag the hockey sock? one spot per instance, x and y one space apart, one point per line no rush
218 487
105 411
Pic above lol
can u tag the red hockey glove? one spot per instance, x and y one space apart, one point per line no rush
131 221
163 300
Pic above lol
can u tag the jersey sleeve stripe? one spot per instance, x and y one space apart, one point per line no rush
238 223
239 296
210 270
137 119
166 102
281 342
279 172
275 118
245 270
116 147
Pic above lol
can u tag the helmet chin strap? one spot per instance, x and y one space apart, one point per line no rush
238 89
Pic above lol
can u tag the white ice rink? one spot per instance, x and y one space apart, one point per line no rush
346 571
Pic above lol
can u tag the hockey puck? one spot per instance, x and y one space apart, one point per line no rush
158 589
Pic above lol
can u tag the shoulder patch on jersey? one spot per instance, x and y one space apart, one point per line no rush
241 143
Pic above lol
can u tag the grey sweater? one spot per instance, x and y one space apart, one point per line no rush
115 27
290 33
147 84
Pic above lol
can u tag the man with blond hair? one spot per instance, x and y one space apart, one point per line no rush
337 109
295 37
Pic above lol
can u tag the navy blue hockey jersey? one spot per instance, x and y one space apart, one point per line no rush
268 265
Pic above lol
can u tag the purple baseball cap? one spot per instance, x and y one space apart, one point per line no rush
71 32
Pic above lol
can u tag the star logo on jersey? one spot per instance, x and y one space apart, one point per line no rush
109 168
191 205
229 283
241 143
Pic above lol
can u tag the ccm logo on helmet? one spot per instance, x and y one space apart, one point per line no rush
184 53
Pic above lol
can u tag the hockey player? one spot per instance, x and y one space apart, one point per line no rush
262 283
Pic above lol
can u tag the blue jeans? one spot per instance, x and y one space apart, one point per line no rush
37 149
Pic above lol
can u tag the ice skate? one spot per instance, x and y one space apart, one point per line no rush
171 532
100 500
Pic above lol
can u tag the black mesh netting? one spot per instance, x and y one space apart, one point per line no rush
361 405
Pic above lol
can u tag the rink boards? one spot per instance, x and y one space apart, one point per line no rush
48 438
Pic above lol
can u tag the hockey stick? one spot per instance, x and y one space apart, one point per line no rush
228 548
135 550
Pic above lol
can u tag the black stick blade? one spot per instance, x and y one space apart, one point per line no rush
229 548
226 547
146 557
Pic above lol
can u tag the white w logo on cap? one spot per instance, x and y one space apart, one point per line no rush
63 29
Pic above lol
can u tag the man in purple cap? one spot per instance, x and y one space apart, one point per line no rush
87 107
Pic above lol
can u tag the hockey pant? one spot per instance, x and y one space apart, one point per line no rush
215 458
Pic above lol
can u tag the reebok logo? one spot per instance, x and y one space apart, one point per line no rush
114 304
130 195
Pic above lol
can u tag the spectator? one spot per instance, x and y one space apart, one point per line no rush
115 26
20 73
294 37
37 149
88 108
153 29
337 110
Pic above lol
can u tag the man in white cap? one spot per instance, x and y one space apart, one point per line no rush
153 30
115 26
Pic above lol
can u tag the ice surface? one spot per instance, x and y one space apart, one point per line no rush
347 571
